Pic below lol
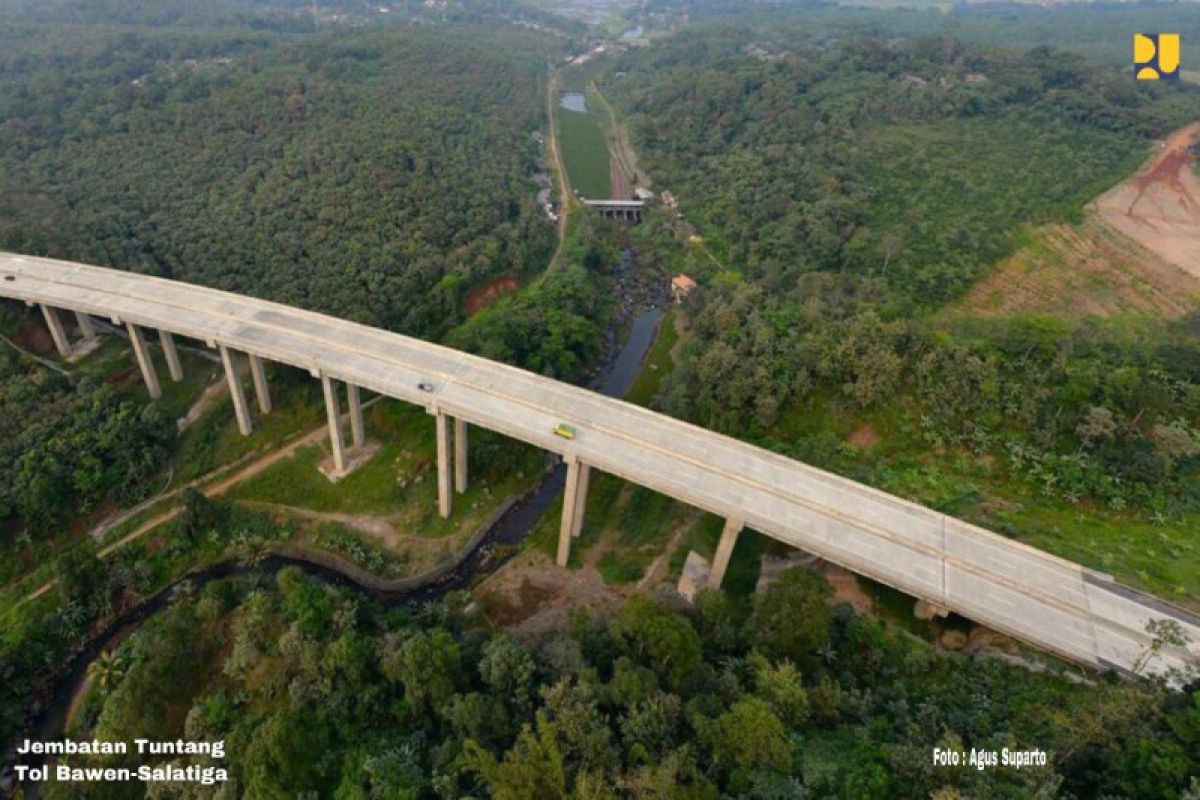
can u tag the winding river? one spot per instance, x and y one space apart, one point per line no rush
614 379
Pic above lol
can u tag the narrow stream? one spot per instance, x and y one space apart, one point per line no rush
615 381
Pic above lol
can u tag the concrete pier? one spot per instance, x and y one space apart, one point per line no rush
86 329
357 433
460 455
729 537
261 390
336 443
240 409
443 464
574 504
585 476
174 367
141 351
57 332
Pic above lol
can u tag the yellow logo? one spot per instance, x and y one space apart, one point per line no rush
1155 56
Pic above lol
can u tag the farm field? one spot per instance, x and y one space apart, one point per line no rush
585 150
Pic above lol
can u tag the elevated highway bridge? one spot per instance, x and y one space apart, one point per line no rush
1043 600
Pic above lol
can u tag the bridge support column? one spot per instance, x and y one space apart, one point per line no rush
443 463
585 476
334 414
168 347
142 352
574 502
460 455
86 329
261 390
358 434
57 332
240 409
729 537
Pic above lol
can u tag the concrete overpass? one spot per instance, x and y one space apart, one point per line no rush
1046 601
628 210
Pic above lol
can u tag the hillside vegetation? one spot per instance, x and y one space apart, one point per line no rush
912 161
68 444
849 193
1101 32
374 176
313 689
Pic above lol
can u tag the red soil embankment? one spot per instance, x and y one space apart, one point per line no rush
489 293
1160 207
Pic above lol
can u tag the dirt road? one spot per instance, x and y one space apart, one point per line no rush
211 490
626 174
566 198
1160 207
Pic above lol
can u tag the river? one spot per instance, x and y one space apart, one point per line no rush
614 380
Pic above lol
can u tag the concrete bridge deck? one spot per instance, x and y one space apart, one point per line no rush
1036 597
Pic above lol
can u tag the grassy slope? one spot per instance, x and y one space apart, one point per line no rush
1158 555
398 483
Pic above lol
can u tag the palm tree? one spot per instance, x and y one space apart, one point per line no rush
106 671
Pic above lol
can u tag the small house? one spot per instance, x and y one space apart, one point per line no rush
682 286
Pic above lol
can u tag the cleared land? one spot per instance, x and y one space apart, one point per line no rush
1137 251
1082 270
1160 206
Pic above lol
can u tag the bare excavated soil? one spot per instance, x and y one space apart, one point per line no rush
1089 269
530 595
34 337
1137 251
489 293
1160 206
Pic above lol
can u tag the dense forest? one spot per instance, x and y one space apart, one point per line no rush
67 445
375 176
847 188
913 160
1100 31
289 16
556 326
313 689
